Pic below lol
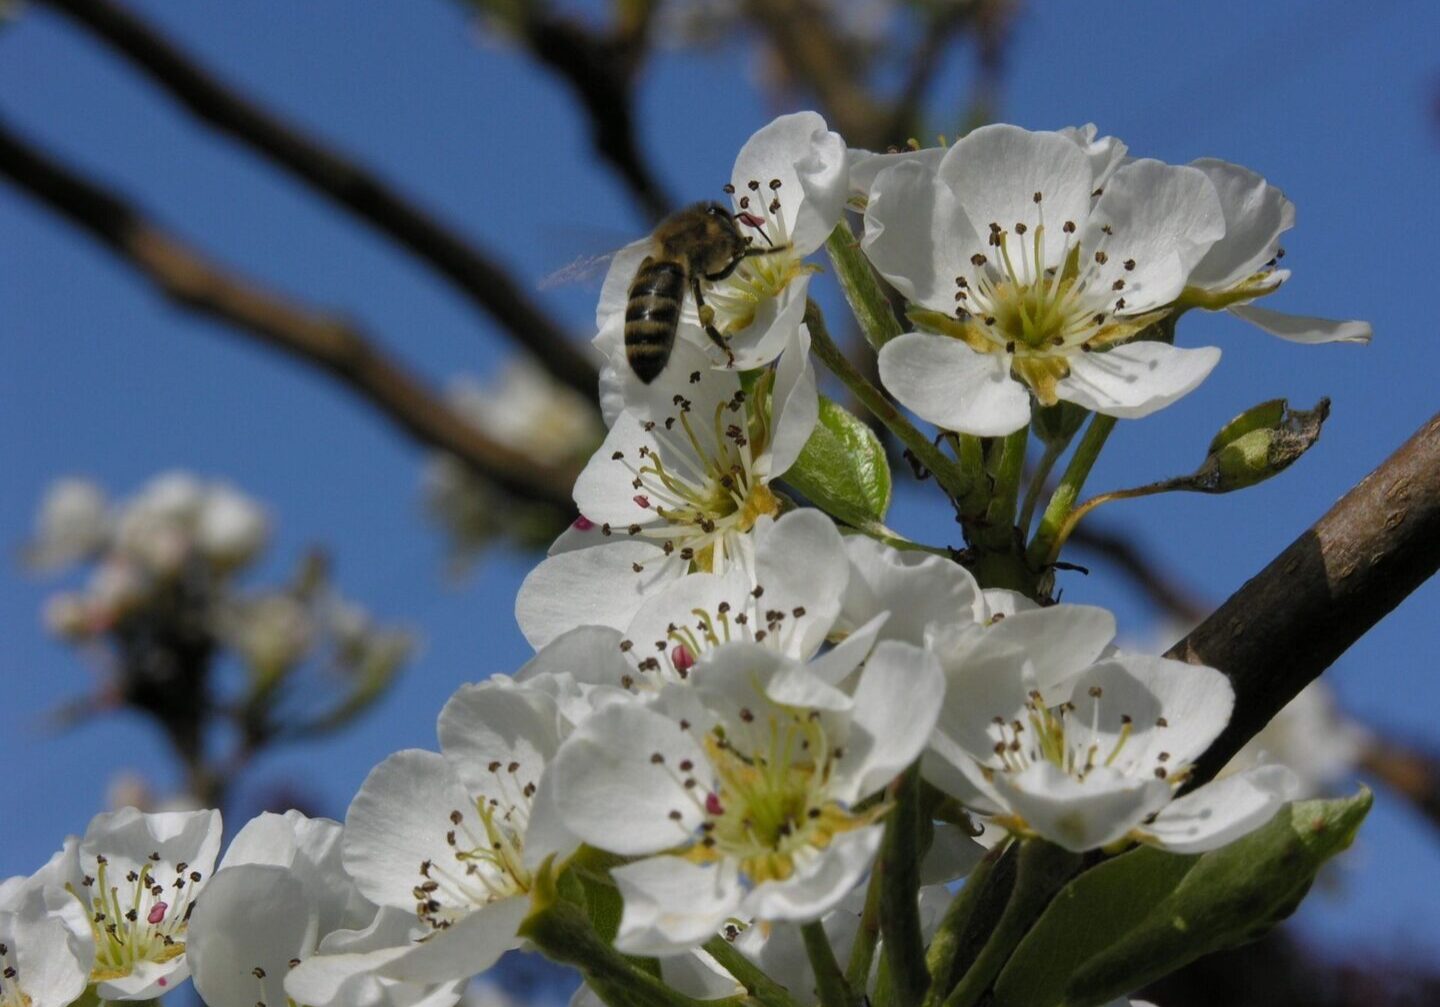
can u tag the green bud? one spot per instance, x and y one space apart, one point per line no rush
1259 443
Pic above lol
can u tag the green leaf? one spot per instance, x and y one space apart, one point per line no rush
842 469
1146 913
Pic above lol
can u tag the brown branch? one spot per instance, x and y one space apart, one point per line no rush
1292 620
1409 770
185 276
601 70
479 278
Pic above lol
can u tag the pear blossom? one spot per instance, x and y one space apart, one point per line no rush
1093 759
738 790
456 837
1243 266
281 898
1312 736
680 483
45 950
72 524
1029 280
138 877
788 190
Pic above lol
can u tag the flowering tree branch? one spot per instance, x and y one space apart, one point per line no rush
1292 620
325 341
472 271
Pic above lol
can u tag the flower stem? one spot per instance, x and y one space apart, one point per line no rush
947 473
872 309
1071 483
829 980
862 952
745 972
1042 870
943 958
899 893
1006 470
1052 453
1073 518
972 462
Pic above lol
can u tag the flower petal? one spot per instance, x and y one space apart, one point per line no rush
812 166
821 879
897 701
1303 328
915 588
1222 811
1256 214
796 404
917 235
597 586
1080 815
673 905
1136 379
947 383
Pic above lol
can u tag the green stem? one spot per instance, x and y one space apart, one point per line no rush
563 933
1042 870
1073 518
862 952
899 893
877 531
745 972
1053 451
829 980
972 462
1071 483
1007 469
872 309
943 957
947 473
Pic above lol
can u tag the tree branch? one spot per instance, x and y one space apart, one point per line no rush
185 276
479 278
1291 621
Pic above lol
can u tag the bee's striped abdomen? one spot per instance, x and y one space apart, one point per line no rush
651 316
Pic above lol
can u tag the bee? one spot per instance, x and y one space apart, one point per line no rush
699 243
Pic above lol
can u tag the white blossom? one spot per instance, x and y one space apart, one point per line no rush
738 789
1035 280
72 524
679 484
1244 265
45 948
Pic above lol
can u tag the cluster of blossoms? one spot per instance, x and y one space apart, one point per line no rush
734 698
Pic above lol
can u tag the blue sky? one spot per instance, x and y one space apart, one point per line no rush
1332 101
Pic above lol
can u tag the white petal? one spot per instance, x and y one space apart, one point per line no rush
953 855
467 948
1136 379
796 404
800 562
596 586
52 961
1303 328
811 163
866 165
588 654
947 383
1165 218
673 905
610 792
917 235
1222 811
776 321
604 490
1080 815
251 916
1057 642
995 172
821 879
399 819
1256 214
840 661
915 588
492 722
897 702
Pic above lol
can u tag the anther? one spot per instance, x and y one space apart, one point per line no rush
977 259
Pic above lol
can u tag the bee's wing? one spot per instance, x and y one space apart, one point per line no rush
587 269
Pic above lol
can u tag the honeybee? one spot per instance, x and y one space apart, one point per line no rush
699 243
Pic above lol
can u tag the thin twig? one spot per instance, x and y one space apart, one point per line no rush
1337 580
189 279
474 273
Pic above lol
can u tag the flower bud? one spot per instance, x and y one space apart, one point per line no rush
1259 443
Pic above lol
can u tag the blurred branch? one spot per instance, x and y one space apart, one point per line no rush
322 340
1162 587
1408 770
600 68
479 278
1292 620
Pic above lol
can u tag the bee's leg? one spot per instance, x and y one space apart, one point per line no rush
707 319
735 262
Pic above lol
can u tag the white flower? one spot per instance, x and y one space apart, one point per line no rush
280 898
740 805
1033 283
1092 759
138 876
456 837
230 528
681 480
788 189
1243 266
72 524
45 951
913 590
